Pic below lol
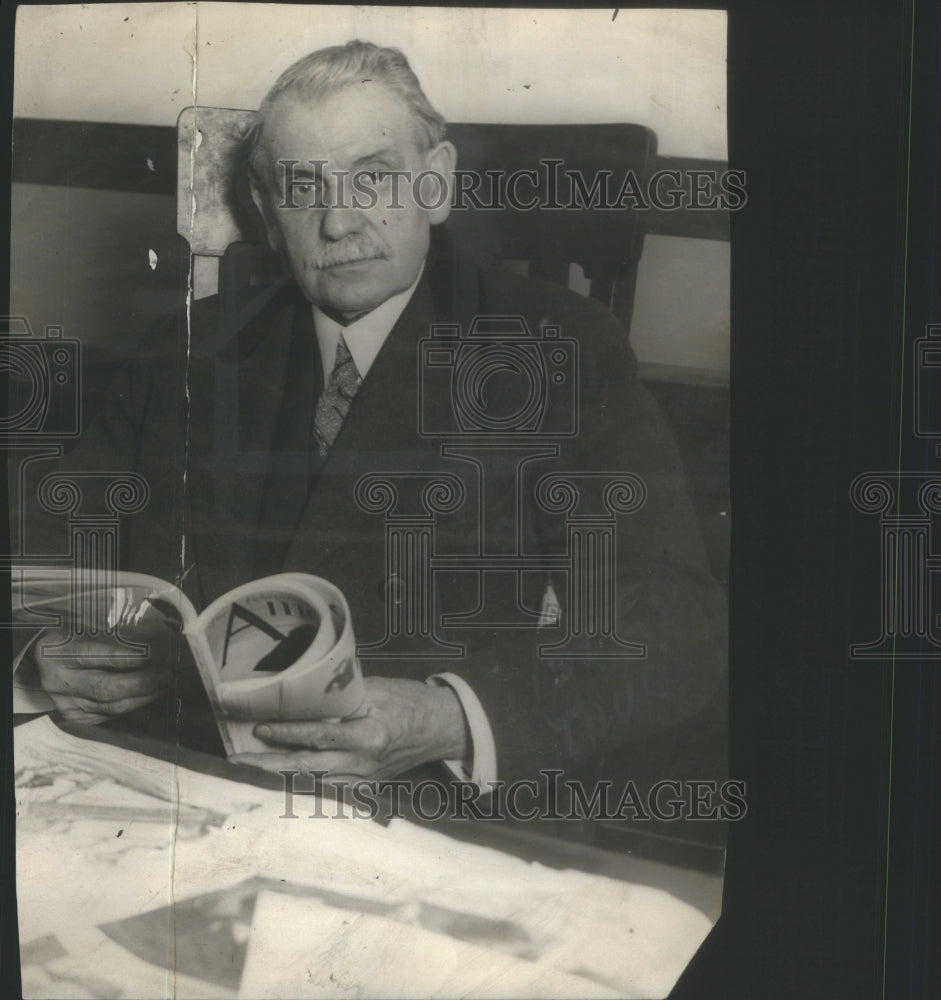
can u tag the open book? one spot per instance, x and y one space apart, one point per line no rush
277 648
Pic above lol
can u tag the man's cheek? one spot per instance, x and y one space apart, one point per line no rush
299 229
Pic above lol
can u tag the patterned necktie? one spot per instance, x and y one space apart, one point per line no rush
334 402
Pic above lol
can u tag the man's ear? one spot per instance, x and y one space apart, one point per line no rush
262 204
439 192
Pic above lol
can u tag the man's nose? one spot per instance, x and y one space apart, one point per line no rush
339 221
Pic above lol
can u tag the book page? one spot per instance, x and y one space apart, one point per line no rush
278 648
122 892
63 614
265 633
43 593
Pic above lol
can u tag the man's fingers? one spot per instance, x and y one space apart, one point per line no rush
104 685
337 765
92 712
111 687
316 735
129 704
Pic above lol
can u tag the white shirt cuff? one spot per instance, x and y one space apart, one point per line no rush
481 767
28 696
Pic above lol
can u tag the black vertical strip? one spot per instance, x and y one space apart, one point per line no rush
913 878
10 983
817 99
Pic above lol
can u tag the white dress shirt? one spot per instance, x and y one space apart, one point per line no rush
364 336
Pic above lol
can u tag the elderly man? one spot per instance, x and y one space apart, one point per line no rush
253 435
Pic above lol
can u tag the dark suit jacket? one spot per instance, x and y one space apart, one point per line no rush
216 415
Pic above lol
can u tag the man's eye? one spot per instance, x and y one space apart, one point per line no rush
304 189
375 176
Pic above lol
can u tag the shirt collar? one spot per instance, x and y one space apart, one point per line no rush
365 336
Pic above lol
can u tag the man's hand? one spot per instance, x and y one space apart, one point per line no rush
401 724
92 684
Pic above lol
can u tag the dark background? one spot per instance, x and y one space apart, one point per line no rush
834 275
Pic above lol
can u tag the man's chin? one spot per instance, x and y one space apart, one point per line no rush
348 289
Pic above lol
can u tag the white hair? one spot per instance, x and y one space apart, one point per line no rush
329 70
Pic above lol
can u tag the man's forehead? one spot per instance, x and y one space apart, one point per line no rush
354 121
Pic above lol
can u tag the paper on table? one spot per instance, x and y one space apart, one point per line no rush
302 948
212 930
635 937
74 878
42 746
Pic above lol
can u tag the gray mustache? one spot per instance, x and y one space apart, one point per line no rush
351 249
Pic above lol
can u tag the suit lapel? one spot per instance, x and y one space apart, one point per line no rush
291 452
242 384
